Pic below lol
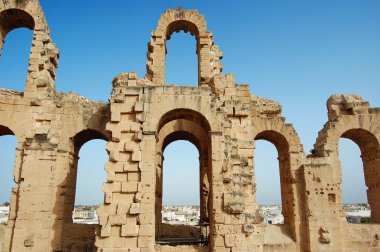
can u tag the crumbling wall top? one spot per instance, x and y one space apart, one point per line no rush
344 104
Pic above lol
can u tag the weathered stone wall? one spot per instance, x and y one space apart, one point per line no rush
221 118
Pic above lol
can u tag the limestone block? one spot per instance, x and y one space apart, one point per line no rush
117 219
135 126
138 136
145 241
139 107
123 208
114 156
133 176
134 208
103 219
136 156
105 231
219 218
145 218
108 198
146 230
147 177
131 167
130 230
114 167
141 117
115 117
129 187
111 187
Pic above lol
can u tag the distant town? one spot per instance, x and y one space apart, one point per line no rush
189 215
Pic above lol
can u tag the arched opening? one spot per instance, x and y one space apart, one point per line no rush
88 175
90 178
181 61
16 35
361 199
286 181
181 184
8 144
182 64
191 228
84 189
268 193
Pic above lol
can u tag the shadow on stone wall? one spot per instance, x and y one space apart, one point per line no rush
181 231
79 237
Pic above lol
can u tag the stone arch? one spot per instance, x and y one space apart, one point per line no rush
77 141
187 114
191 21
198 108
370 154
188 130
184 124
290 156
87 135
5 131
278 125
86 239
177 130
365 132
43 59
327 142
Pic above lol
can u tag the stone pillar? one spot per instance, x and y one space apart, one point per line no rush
156 58
326 221
158 194
217 215
204 188
67 163
127 216
146 218
35 215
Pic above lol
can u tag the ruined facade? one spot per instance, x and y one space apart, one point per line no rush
220 117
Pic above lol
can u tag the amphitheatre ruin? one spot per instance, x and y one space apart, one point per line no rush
220 117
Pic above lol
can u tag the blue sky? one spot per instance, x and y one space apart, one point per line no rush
296 52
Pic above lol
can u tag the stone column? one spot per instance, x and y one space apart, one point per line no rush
158 194
216 217
35 217
204 187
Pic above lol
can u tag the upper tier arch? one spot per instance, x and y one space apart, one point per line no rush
44 55
191 21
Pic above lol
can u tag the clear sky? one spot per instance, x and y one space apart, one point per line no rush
295 52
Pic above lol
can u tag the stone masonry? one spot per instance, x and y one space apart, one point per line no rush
220 117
